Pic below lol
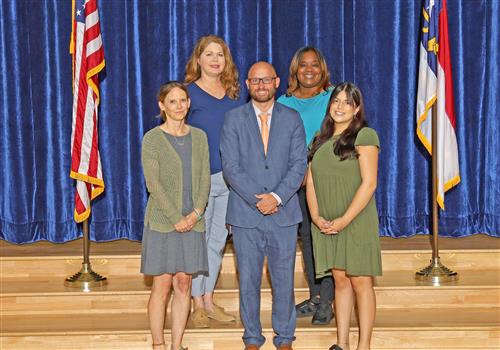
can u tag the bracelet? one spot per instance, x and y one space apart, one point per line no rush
198 215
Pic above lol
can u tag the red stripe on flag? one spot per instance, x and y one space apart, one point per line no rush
90 7
94 61
444 59
94 156
92 33
79 206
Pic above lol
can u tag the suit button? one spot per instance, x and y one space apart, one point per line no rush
266 167
265 188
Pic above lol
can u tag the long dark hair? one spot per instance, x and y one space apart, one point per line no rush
344 146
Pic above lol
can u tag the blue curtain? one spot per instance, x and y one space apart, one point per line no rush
373 43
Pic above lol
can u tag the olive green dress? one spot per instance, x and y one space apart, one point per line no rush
355 249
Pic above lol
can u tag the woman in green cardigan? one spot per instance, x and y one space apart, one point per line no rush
176 167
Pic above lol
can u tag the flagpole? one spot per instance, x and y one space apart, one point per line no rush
436 273
86 279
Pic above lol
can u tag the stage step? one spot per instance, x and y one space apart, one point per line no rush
130 294
119 265
394 329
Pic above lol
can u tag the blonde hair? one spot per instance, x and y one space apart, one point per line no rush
165 90
228 77
293 82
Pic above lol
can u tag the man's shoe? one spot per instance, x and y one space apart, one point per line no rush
199 319
285 347
219 314
323 314
307 307
252 347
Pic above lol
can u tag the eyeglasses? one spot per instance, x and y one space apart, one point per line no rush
265 80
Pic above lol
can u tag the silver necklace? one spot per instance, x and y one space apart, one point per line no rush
178 137
175 137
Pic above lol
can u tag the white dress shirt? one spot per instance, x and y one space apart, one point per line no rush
270 112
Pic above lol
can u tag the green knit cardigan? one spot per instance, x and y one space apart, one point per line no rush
163 172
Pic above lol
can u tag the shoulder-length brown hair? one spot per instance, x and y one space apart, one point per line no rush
165 89
293 82
344 146
228 77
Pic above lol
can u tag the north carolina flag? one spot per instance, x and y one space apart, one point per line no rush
88 60
435 90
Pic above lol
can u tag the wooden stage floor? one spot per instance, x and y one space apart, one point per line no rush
120 247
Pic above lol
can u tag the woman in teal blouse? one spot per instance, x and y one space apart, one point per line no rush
309 90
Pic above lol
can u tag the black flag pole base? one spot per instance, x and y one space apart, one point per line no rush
436 273
86 279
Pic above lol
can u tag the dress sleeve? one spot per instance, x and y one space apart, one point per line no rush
367 137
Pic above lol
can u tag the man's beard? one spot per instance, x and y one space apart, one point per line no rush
259 98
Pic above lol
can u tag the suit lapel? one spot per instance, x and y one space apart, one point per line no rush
274 131
253 126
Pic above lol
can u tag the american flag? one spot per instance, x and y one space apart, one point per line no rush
435 90
88 61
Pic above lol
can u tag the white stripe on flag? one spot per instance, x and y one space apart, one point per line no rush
88 132
425 98
94 45
81 188
99 169
80 30
447 148
91 19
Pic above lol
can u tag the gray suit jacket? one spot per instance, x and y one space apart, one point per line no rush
249 171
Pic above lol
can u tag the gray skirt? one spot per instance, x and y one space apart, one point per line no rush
172 252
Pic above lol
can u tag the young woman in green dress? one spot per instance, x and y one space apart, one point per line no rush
340 193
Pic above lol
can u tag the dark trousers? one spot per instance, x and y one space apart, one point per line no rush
324 287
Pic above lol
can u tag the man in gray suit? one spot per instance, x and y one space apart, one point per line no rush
264 155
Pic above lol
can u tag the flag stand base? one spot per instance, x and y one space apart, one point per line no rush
86 279
436 273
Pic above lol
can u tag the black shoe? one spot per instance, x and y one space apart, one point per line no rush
307 307
335 347
323 314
